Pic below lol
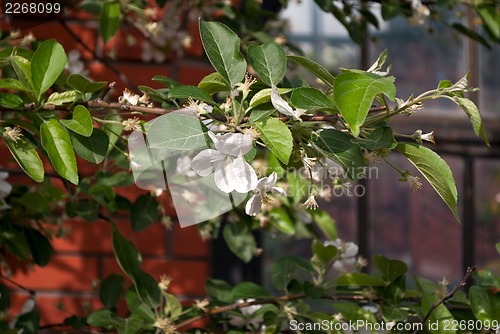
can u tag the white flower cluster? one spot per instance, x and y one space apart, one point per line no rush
347 259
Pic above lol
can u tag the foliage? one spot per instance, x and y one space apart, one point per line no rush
244 134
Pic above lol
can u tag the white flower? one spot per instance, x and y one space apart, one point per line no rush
264 185
199 107
246 311
129 97
283 107
325 168
420 137
5 187
132 124
347 254
311 203
231 171
13 134
184 167
75 65
245 87
420 12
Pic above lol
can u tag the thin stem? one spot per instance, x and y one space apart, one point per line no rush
393 166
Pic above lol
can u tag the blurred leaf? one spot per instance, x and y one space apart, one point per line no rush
47 64
222 47
240 241
359 279
4 297
324 252
109 21
285 269
83 209
435 170
268 61
381 137
126 254
390 269
282 221
246 290
471 34
325 223
81 121
104 195
166 81
40 247
219 291
16 243
75 322
111 290
144 212
28 323
441 316
485 305
146 287
100 318
490 15
57 144
173 305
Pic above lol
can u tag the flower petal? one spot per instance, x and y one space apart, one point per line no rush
244 176
253 205
234 144
279 104
205 161
279 190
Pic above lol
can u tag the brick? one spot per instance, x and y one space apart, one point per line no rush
187 242
191 72
63 273
47 305
54 29
188 277
119 45
96 238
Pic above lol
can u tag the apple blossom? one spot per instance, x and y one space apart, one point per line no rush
264 185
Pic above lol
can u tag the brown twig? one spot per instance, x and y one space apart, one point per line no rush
31 292
462 283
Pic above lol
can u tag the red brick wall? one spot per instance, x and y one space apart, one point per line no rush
85 255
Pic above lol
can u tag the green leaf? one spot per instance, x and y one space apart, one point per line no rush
111 290
219 290
4 297
264 96
176 131
471 110
435 170
113 130
311 99
93 148
10 83
84 85
27 158
146 287
325 223
173 305
166 81
322 252
354 93
359 279
268 61
282 221
28 323
22 67
109 21
491 18
222 47
184 92
57 143
390 269
338 147
16 243
125 252
75 322
497 245
315 68
213 83
40 247
104 195
286 269
441 316
59 99
381 137
485 305
100 318
390 9
144 212
81 121
240 241
83 209
46 65
10 101
250 290
277 137
471 34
